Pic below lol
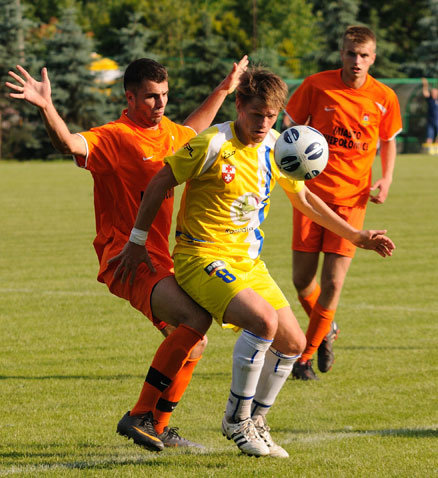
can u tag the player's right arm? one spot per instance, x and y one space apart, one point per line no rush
134 252
316 209
38 93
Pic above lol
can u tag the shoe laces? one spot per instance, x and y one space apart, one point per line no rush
263 430
148 423
248 429
172 433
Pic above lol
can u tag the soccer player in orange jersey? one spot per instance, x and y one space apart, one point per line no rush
356 114
122 157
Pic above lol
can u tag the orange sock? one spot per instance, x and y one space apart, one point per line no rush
309 301
319 326
173 394
169 359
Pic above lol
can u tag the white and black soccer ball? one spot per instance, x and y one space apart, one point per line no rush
301 152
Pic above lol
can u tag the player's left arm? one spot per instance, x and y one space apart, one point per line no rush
316 209
202 117
388 152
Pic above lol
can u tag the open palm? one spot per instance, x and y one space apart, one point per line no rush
37 93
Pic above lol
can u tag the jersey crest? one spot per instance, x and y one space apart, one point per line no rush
228 172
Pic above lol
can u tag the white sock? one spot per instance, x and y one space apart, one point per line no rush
248 358
276 369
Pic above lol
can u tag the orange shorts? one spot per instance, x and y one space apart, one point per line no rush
139 295
308 236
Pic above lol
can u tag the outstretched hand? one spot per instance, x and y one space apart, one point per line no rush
131 256
232 79
37 93
375 241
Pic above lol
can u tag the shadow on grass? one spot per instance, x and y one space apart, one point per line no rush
47 457
70 377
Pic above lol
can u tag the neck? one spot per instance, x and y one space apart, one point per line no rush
354 83
241 136
140 123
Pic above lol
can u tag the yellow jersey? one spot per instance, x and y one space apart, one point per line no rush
227 193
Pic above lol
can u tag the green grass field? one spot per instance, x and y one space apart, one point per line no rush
73 357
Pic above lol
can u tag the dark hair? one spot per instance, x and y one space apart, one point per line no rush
358 34
143 69
259 83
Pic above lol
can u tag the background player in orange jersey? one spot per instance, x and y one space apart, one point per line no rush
122 157
355 113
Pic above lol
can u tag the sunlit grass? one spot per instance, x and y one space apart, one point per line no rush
74 357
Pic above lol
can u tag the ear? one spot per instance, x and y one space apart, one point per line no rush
130 97
238 104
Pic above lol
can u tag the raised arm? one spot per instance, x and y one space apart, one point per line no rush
426 92
38 93
203 116
314 208
134 253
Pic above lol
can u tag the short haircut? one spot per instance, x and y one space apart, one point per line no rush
358 34
143 69
259 83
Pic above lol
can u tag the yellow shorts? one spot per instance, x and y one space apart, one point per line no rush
212 282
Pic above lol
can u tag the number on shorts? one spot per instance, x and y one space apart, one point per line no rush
225 275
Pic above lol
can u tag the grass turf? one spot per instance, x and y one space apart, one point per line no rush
74 357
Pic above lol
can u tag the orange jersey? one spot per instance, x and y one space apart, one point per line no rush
122 158
352 121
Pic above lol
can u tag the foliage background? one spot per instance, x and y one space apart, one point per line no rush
197 40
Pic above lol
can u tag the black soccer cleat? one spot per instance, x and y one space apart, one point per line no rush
171 438
326 357
303 371
141 429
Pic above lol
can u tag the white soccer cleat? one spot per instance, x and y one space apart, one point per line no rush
263 429
245 436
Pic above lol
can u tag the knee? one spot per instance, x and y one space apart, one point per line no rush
300 344
301 281
267 324
331 286
294 344
199 348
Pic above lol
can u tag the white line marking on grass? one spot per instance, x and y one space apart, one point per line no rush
342 435
104 464
53 292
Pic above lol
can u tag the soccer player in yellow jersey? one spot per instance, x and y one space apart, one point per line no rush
229 171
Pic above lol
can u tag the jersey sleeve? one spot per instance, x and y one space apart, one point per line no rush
102 151
298 106
290 185
190 160
182 134
391 123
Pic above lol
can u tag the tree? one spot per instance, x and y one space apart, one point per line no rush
288 28
335 17
74 90
428 48
201 71
14 49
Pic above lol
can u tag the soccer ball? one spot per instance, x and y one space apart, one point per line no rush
301 152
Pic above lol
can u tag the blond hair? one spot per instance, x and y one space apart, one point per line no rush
264 85
358 34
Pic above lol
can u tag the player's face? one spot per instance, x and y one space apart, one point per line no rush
254 120
146 106
356 61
